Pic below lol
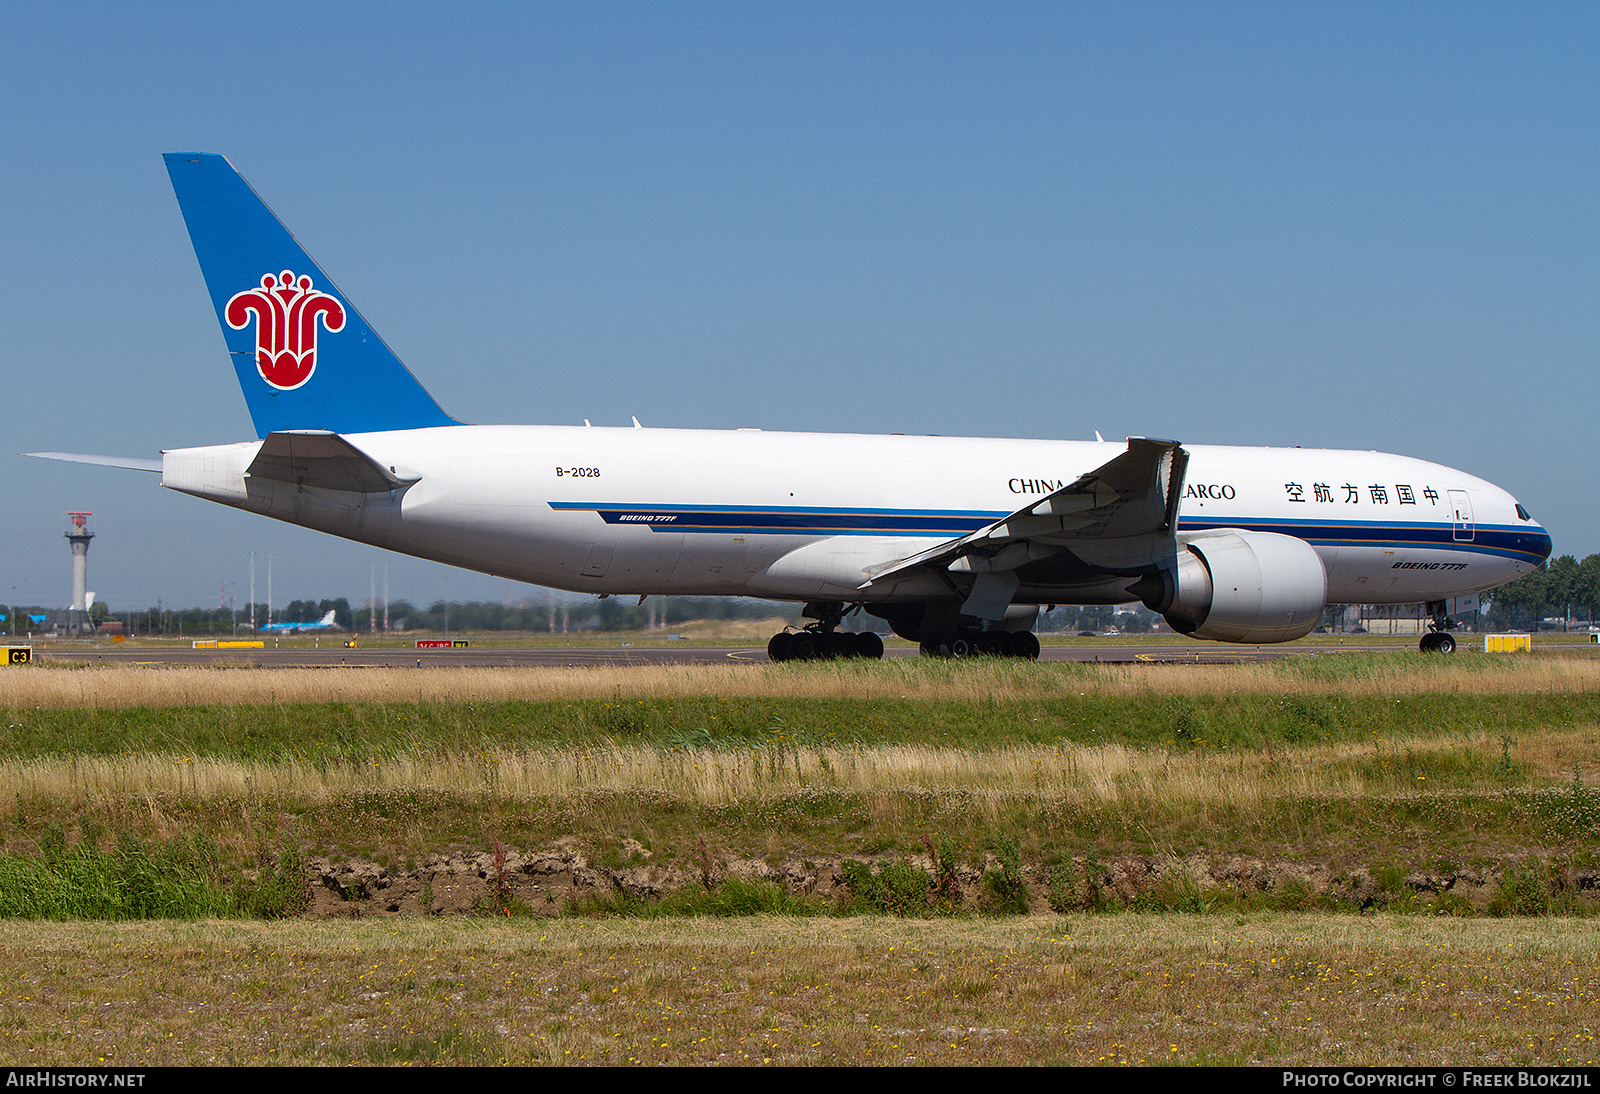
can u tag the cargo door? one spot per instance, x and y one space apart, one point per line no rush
1461 516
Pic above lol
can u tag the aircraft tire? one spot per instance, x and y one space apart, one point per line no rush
869 645
1025 644
1437 642
780 647
962 646
804 646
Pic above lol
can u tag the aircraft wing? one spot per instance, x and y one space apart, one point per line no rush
1134 497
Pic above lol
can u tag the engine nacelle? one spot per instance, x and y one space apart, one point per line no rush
1241 587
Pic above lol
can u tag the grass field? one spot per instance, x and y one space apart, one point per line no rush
1108 989
1472 758
1438 796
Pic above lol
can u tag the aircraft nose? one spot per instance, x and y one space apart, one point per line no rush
1539 542
1531 539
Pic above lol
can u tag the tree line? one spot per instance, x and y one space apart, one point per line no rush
565 615
1563 589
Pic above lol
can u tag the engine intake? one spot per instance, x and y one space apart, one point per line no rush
1240 587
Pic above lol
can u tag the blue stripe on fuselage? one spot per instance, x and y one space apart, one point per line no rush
1508 541
789 520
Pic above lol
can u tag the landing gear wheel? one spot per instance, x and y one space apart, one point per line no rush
997 643
780 647
869 645
803 646
1437 642
1025 644
961 646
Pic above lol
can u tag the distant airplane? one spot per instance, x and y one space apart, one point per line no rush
323 624
954 542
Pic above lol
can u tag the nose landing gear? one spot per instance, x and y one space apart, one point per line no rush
1437 642
1438 639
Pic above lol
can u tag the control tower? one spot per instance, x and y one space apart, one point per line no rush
79 534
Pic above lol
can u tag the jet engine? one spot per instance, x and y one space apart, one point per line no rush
1240 587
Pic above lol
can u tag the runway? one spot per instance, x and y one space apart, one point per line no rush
1105 651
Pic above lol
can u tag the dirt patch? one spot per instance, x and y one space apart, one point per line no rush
543 882
549 881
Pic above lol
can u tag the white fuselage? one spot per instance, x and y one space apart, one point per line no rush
812 516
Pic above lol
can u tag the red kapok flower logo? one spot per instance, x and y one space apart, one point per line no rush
287 311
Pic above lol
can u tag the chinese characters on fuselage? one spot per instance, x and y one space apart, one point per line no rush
1377 493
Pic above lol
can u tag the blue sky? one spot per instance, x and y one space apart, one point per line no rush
1332 225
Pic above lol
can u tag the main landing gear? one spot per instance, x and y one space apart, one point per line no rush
938 637
1438 639
822 640
971 643
813 644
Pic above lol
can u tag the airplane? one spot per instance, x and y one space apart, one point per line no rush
956 543
323 624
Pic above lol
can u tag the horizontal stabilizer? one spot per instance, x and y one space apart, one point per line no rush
322 460
131 463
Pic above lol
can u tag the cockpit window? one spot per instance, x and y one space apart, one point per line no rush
1523 513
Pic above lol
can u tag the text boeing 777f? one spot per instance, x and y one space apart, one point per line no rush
955 542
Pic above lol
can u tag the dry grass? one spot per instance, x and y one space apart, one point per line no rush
1091 776
1126 989
1170 782
90 687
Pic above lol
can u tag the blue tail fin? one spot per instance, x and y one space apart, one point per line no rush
305 357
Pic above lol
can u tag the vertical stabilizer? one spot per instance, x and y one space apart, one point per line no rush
305 357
